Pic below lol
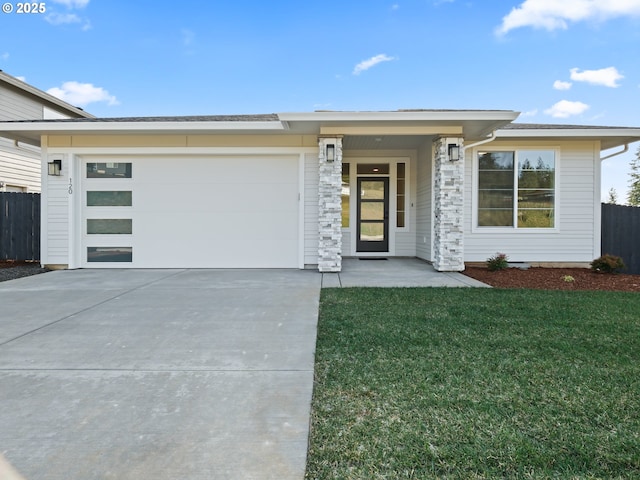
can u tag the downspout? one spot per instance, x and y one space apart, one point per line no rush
624 150
481 142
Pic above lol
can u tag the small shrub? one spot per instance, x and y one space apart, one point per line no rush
607 264
499 261
568 279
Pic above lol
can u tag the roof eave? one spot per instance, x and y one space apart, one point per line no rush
608 137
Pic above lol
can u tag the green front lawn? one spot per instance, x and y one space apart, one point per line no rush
476 383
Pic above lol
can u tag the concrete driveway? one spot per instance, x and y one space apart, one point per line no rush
157 374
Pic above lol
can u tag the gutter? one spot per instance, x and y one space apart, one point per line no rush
491 138
624 150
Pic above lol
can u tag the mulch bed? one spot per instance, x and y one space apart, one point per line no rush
556 279
11 269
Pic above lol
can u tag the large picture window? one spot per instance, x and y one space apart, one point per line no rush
516 189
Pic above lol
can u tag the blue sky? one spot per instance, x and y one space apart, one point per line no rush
569 61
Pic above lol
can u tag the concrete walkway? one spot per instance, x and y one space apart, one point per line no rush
394 272
157 374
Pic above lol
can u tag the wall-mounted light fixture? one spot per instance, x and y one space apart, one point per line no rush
330 152
55 167
454 152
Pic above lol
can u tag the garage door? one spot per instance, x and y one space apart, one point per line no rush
191 212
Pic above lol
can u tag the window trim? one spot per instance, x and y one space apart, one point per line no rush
475 165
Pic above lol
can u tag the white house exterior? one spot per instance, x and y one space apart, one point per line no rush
304 190
19 161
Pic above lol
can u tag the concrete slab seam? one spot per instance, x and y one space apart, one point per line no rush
88 308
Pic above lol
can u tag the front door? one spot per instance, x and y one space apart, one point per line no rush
373 214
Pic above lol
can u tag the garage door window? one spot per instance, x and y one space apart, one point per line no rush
109 170
109 199
110 254
109 226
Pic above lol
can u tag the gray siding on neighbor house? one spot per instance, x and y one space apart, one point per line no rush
15 105
577 234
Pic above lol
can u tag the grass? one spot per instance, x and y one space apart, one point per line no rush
475 383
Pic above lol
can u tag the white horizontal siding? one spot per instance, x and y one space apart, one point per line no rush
311 183
57 222
19 167
578 197
423 202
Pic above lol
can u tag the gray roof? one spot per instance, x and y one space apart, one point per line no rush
269 117
548 126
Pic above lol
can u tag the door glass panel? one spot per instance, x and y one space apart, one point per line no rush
109 226
372 190
372 211
372 231
400 196
109 199
109 254
109 170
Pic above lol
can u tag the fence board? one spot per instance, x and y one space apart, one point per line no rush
19 226
621 234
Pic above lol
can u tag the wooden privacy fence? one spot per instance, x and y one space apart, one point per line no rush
19 226
621 234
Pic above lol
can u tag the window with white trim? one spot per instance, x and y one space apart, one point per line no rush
516 189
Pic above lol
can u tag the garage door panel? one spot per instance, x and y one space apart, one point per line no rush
208 213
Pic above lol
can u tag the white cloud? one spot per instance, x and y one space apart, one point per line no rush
566 108
82 94
560 85
55 18
21 78
188 37
530 113
371 62
557 14
5 56
72 3
607 77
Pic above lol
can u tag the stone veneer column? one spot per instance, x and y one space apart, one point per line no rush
448 241
330 207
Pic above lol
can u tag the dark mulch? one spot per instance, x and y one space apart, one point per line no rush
556 279
10 269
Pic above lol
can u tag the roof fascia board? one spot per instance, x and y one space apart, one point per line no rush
392 130
69 127
569 132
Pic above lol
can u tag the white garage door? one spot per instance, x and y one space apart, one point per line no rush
190 212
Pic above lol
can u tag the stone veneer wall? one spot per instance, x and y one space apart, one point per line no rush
448 242
330 208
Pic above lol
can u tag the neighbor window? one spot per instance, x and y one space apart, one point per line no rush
516 189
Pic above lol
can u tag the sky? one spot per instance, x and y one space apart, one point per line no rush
555 61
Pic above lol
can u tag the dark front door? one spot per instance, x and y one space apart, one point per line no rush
373 214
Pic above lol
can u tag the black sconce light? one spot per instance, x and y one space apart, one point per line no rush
330 153
55 167
454 152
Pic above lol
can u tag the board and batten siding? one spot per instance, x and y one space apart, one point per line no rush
311 208
576 237
424 195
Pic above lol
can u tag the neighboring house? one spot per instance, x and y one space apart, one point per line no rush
295 190
19 161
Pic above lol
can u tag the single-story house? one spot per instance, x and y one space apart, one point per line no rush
20 161
299 190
